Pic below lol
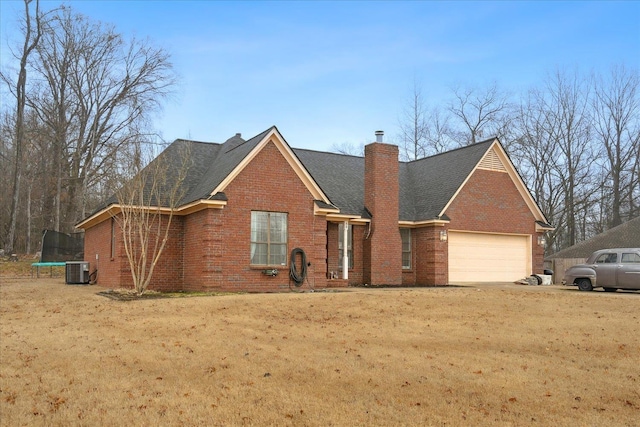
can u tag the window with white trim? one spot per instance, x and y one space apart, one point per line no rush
268 238
405 234
349 244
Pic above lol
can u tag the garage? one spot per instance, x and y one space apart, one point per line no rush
483 257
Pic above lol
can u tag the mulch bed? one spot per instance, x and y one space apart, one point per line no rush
129 295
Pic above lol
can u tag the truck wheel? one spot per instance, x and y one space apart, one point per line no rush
584 285
610 289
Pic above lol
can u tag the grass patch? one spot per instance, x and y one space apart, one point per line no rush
22 268
501 355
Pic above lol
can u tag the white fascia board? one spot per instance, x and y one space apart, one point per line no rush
425 223
357 219
115 209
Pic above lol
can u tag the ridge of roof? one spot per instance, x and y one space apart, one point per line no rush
194 141
237 141
453 150
328 153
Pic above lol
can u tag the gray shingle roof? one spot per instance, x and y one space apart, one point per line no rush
426 185
340 177
220 162
625 235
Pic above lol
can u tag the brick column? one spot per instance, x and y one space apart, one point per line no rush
383 248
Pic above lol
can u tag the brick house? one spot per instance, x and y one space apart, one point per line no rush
460 216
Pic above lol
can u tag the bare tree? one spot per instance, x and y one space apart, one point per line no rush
438 131
535 153
423 131
413 126
90 95
31 40
482 112
569 127
98 93
616 119
634 180
7 128
557 143
148 202
348 149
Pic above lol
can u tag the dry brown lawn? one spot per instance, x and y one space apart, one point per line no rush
489 355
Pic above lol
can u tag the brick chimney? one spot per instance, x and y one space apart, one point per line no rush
383 248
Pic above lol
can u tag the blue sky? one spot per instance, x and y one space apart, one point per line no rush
334 72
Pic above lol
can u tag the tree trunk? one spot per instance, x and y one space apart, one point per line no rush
21 86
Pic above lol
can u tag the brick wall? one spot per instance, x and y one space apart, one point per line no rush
203 250
168 272
383 248
97 252
431 256
266 184
115 272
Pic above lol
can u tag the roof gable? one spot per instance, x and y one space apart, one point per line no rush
495 158
241 155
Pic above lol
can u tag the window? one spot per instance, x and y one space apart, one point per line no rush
268 238
349 244
405 234
631 258
607 259
113 238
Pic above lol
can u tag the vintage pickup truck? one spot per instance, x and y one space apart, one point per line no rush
610 269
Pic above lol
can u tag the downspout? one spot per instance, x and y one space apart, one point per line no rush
345 250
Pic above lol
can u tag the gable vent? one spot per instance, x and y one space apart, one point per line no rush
491 161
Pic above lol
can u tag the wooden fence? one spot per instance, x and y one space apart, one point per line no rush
560 265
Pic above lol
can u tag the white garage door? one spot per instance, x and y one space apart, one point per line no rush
477 257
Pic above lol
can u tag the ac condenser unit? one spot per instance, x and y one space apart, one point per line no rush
77 272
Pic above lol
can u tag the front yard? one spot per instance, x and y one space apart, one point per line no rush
505 355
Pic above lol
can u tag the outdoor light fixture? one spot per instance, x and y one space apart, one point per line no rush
443 235
541 240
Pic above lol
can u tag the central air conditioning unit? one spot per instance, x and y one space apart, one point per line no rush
77 273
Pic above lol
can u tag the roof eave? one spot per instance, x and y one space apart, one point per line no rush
542 226
114 209
356 219
434 222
